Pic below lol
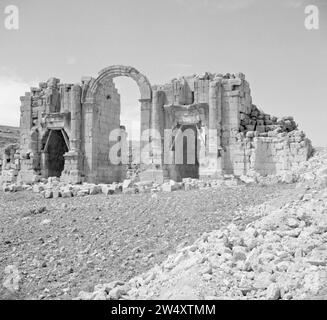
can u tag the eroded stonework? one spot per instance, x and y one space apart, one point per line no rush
65 131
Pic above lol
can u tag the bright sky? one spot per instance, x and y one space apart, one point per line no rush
284 62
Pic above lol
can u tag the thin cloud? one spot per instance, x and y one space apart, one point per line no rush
71 61
296 4
179 65
217 5
11 89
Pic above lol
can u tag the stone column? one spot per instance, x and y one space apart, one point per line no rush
212 165
213 106
220 165
89 140
76 116
25 121
219 114
231 98
156 126
154 170
145 124
73 158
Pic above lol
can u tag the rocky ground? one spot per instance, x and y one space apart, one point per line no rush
258 240
281 255
55 248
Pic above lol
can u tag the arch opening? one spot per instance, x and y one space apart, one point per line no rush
130 118
55 147
185 153
108 114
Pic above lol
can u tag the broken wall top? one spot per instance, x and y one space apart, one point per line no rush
194 89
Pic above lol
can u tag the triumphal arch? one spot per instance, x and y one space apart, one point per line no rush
199 126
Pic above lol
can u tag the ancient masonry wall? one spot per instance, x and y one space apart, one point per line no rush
268 145
10 164
107 119
233 136
45 107
247 138
51 107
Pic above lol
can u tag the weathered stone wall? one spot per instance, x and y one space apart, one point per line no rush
212 102
106 119
231 135
268 145
43 108
247 138
276 155
10 164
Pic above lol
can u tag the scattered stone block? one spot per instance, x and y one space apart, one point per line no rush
94 189
48 194
56 193
127 183
38 188
82 193
66 193
129 190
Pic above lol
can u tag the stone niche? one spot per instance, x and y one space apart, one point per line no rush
199 126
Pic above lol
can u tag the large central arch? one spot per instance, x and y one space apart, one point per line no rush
101 117
118 71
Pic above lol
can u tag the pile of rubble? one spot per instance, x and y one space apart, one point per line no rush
314 170
264 125
309 172
54 188
282 255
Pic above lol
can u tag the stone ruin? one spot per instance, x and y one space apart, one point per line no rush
65 128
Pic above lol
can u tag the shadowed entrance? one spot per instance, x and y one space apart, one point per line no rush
55 148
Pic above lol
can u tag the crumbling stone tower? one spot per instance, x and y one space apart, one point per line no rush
66 130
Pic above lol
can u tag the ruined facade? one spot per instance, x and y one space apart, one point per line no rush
65 131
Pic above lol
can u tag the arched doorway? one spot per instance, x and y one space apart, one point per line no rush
55 145
184 152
